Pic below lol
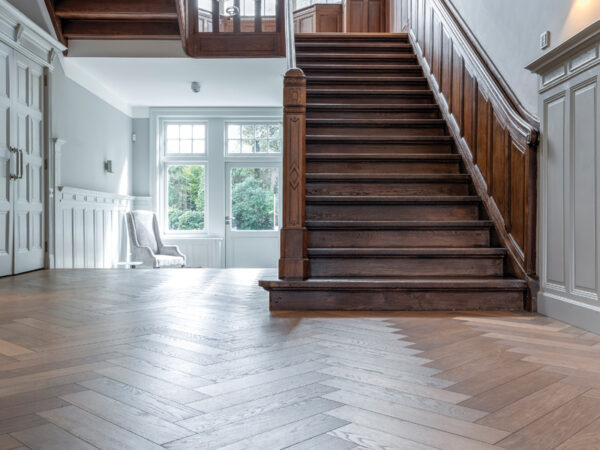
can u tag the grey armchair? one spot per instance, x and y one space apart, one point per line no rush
146 244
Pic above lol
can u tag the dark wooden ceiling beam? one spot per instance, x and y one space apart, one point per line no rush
112 29
56 22
116 9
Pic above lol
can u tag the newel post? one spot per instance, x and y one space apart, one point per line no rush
293 263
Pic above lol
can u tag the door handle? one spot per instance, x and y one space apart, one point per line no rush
15 151
20 164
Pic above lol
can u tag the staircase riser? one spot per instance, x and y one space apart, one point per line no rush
407 267
341 84
394 149
350 70
392 212
397 300
365 167
356 47
398 238
398 60
372 115
375 131
382 99
434 189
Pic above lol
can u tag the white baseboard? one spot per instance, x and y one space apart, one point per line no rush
571 311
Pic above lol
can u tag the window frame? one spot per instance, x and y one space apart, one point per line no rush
181 159
259 155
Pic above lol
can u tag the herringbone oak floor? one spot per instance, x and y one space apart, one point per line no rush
192 359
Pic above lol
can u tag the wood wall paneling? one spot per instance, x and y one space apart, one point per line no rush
496 138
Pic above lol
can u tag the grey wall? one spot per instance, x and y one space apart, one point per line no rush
141 158
509 31
94 131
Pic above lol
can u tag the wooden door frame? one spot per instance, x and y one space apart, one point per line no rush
386 21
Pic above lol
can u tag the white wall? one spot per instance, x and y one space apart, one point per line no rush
94 131
509 32
141 158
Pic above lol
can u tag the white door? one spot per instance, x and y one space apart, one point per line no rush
7 166
253 214
29 186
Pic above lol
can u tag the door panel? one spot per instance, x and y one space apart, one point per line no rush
366 16
29 202
253 204
6 164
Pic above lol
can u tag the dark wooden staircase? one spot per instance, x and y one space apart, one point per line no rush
391 219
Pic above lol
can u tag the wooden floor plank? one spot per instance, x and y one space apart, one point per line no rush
50 437
193 359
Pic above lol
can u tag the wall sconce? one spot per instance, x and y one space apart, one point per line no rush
108 166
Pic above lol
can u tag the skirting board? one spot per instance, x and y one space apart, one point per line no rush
573 312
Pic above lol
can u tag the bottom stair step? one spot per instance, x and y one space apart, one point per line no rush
398 294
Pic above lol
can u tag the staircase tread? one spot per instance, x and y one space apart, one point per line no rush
395 224
356 66
359 55
407 251
392 199
374 106
363 138
411 92
377 122
414 178
438 282
341 44
384 156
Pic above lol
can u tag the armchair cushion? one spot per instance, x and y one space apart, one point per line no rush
143 222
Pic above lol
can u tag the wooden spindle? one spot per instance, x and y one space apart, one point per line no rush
258 16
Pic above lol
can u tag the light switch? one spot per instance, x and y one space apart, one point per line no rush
545 40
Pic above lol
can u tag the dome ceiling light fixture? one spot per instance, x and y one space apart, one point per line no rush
196 87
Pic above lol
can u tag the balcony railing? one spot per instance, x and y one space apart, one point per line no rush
233 28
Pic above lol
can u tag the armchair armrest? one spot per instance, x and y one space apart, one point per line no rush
172 250
143 254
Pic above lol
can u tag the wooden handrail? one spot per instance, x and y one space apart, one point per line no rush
496 137
293 264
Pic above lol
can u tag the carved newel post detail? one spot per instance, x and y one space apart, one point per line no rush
293 264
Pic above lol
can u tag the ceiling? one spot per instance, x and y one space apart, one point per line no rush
134 84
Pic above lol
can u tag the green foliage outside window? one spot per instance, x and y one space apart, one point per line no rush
254 197
186 198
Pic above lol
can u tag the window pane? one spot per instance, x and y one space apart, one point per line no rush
275 146
261 146
233 146
186 198
199 132
199 146
172 146
234 131
274 131
261 131
172 131
248 131
255 198
247 146
185 132
185 146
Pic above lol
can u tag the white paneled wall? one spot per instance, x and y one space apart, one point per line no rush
90 228
569 253
204 252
